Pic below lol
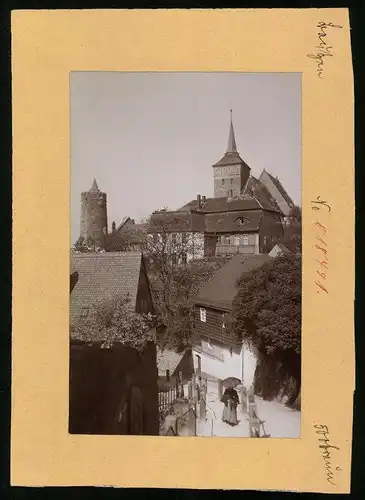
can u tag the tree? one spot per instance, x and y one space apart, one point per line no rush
88 245
113 321
174 275
267 315
292 238
128 239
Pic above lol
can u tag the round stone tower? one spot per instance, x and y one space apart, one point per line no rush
94 220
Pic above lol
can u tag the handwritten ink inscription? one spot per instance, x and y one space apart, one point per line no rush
321 246
325 446
323 48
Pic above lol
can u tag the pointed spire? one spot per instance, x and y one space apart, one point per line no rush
232 148
94 188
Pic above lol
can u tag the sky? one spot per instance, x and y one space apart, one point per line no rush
150 139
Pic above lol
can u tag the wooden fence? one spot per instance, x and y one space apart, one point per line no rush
166 397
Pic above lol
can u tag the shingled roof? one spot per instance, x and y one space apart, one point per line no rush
280 188
215 205
247 221
221 289
103 276
177 221
256 196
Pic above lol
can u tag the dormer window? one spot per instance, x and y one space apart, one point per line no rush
241 220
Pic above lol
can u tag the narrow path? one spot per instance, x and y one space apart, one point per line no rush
213 425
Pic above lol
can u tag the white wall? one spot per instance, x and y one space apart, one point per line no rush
249 367
230 366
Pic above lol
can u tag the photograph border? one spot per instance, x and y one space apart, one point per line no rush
42 451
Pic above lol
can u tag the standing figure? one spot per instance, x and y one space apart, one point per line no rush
231 401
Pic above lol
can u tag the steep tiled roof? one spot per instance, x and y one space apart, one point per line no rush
220 290
94 188
261 193
168 359
231 158
215 205
231 221
177 221
255 196
103 276
281 190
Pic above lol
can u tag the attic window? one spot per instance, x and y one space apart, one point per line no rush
241 220
203 315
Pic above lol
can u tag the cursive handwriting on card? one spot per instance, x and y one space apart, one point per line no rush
323 48
321 246
325 446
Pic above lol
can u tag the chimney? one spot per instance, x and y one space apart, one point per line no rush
199 201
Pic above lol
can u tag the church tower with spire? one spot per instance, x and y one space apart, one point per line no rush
94 220
231 173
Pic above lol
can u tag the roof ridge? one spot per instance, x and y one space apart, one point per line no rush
109 254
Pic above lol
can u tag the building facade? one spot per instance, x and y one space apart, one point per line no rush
242 217
112 390
218 353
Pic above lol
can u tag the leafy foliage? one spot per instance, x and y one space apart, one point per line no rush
129 238
114 321
88 245
292 238
267 313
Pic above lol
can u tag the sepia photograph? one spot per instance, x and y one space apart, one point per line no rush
185 254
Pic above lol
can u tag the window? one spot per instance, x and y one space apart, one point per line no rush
219 239
173 237
223 321
245 240
174 258
222 182
236 240
183 238
231 181
203 315
184 258
265 240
